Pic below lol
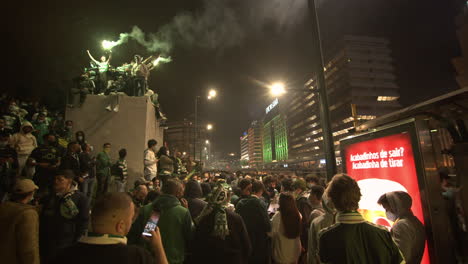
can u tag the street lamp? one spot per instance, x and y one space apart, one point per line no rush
209 127
211 95
207 142
277 89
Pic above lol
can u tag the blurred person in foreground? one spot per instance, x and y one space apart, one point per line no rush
19 226
111 220
352 239
407 231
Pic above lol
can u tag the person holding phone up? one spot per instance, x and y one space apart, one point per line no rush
111 220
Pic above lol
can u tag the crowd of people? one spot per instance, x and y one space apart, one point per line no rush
60 203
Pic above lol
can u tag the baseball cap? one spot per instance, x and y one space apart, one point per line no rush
24 186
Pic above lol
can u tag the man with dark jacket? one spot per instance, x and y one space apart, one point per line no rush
64 216
220 230
245 186
175 223
255 216
71 161
46 158
305 208
88 171
193 194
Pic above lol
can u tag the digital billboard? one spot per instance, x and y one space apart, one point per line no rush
381 165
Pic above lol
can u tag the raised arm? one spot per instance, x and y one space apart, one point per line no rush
110 56
147 59
91 57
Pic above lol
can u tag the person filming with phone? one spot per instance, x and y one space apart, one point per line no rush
111 219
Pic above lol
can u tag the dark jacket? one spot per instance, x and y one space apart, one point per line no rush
7 169
98 254
57 231
305 208
71 162
165 165
258 224
234 249
87 165
193 193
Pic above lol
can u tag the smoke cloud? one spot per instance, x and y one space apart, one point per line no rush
220 24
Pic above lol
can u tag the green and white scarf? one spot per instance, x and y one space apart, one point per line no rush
217 201
68 208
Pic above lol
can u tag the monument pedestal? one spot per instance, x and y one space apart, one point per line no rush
130 127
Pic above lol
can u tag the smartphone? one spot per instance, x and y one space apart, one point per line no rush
151 224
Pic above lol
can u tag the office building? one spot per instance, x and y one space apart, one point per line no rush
360 83
255 150
274 135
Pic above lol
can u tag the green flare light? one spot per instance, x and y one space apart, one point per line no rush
161 59
108 45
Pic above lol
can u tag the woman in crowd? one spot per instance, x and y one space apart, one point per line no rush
286 230
165 165
407 231
80 138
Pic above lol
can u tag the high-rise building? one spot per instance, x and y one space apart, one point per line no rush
244 150
275 136
360 83
255 145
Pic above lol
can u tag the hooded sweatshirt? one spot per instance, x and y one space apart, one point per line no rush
23 143
175 225
407 231
193 193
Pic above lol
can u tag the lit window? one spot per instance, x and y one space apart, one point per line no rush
366 117
387 98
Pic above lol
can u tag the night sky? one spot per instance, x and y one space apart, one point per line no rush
269 40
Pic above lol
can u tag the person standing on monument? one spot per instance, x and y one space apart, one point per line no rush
150 160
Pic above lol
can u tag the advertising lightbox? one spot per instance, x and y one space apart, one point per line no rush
380 165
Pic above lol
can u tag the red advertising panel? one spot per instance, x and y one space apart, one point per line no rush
384 165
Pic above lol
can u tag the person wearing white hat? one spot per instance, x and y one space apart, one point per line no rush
19 225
